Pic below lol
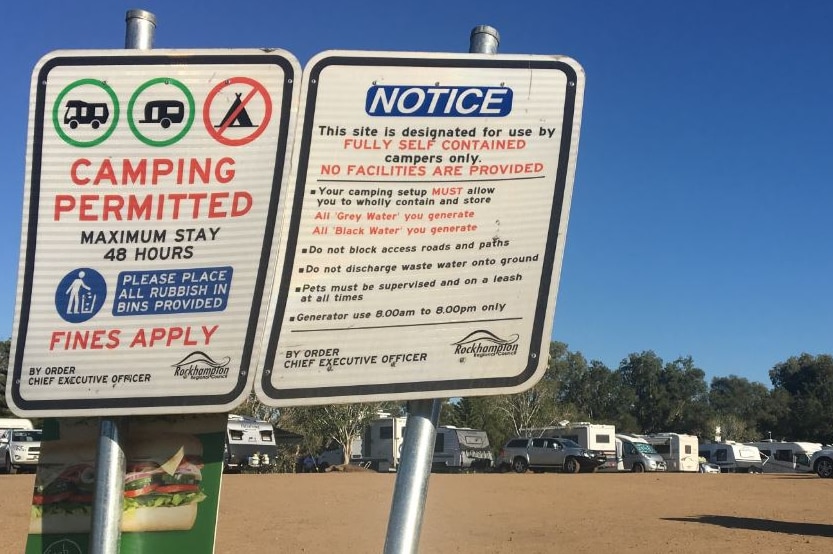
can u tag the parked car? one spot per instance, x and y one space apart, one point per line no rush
20 449
708 467
821 462
548 453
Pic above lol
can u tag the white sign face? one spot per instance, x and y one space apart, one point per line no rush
424 246
150 206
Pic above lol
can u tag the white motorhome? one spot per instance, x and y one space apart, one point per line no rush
786 457
634 453
591 436
732 457
14 423
455 448
680 451
250 444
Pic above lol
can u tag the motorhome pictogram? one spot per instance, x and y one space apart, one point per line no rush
79 112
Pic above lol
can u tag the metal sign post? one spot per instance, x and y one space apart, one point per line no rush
411 486
105 530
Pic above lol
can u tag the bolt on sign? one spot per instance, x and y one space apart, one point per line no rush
150 205
422 254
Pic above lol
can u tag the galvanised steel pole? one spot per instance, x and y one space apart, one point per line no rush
105 532
141 28
411 488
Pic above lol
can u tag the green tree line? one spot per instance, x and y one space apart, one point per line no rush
644 394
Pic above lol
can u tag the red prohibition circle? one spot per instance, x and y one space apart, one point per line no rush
217 132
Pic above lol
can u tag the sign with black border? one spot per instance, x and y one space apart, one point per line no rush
430 206
147 244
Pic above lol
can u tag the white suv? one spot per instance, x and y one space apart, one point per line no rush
822 462
20 449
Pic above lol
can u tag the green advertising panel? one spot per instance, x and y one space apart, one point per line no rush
173 469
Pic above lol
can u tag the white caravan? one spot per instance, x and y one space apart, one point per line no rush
455 448
732 457
680 451
382 443
786 457
250 444
633 453
591 436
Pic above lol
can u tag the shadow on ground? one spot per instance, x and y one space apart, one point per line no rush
755 524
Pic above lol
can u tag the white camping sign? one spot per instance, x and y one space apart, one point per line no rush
150 206
422 254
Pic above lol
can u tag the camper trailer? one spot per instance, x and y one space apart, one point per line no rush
634 453
786 457
591 436
461 448
732 457
250 444
679 451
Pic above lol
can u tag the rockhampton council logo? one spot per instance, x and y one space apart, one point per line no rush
482 344
199 365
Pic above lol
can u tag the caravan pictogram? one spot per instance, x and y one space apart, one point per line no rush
85 113
161 112
237 111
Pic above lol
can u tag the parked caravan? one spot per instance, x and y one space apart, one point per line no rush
786 457
679 451
250 444
732 457
591 436
461 448
382 443
634 453
455 448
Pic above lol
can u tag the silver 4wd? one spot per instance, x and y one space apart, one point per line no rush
546 453
822 462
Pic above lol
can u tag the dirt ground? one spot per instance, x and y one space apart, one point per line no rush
545 513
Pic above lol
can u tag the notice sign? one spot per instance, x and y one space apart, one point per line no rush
422 255
150 207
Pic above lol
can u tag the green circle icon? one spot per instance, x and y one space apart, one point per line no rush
162 112
79 112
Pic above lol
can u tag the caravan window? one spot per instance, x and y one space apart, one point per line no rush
784 455
720 455
605 439
266 436
688 449
235 434
663 448
439 443
386 432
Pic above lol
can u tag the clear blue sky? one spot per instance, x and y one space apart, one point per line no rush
700 221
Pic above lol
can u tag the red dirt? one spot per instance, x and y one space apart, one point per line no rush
347 512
